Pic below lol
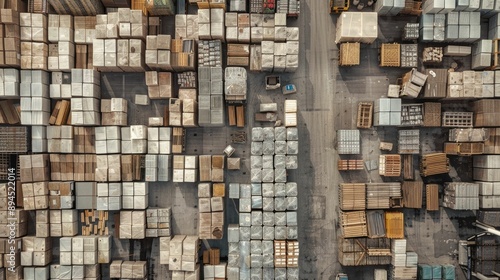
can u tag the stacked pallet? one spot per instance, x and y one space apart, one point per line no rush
353 224
9 84
432 197
412 194
10 54
349 54
461 196
352 196
491 218
61 195
62 49
380 195
134 139
211 168
185 169
409 141
35 102
158 222
188 110
464 149
348 142
114 111
211 99
34 48
290 113
69 167
132 225
364 251
486 168
18 219
365 112
432 114
95 223
412 114
36 251
404 264
107 140
178 139
35 195
109 196
56 223
211 211
131 167
19 144
85 91
158 53
186 26
183 55
350 164
34 168
238 55
433 164
486 113
390 165
390 55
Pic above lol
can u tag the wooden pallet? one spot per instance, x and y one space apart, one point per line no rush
432 114
432 197
457 119
464 149
390 165
365 115
390 55
433 164
352 196
349 54
408 171
350 164
412 194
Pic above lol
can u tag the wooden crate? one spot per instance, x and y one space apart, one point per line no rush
412 194
352 196
353 224
394 223
464 149
432 197
350 164
365 115
390 55
390 165
349 54
433 164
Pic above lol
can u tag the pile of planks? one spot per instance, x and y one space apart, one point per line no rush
394 223
408 171
352 196
94 222
432 197
365 115
433 164
60 114
81 8
412 194
350 164
236 114
378 195
9 112
390 165
349 54
353 224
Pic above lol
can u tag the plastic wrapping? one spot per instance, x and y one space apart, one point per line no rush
268 233
256 189
280 133
245 219
280 218
245 191
292 134
233 247
436 272
280 175
268 175
292 232
244 254
233 260
268 147
256 162
244 235
268 204
280 232
256 232
291 162
292 147
255 273
245 204
256 218
245 272
268 190
256 247
257 134
268 218
256 175
292 273
267 161
256 202
448 272
280 147
279 189
280 274
291 203
256 148
291 189
291 218
268 133
256 262
234 190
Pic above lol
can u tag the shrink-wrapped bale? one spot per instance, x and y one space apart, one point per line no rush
268 175
268 218
280 175
268 133
268 204
256 202
256 148
291 162
280 161
280 232
279 190
268 147
244 234
256 232
257 134
292 147
280 147
256 162
292 134
267 161
245 219
268 189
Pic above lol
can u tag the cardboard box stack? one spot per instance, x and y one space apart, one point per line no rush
159 140
211 211
60 86
108 168
132 225
35 195
85 94
67 272
62 47
61 195
34 168
158 55
9 83
61 222
37 251
159 85
107 140
128 269
34 48
134 139
35 102
60 139
135 195
86 194
84 250
158 222
10 55
109 196
185 169
114 111
120 55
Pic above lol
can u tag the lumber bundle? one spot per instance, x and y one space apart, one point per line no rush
9 112
77 8
464 149
236 115
211 256
492 144
433 164
365 114
178 136
408 171
432 197
394 222
60 114
94 222
353 224
350 164
349 54
412 194
390 165
364 251
352 196
378 195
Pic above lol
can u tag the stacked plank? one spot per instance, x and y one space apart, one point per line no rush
94 222
62 48
9 112
10 144
408 171
34 48
412 194
69 167
432 197
238 55
432 114
350 164
464 149
349 54
390 165
433 164
394 222
84 36
352 196
359 251
183 56
85 8
487 113
365 113
353 224
378 195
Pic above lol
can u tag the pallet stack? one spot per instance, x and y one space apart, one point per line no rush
158 222
61 195
489 193
68 167
394 223
35 102
35 195
85 195
132 225
390 165
461 196
135 195
365 114
381 195
375 222
211 210
412 194
36 251
60 87
409 141
114 111
409 53
492 143
403 265
350 164
464 149
364 251
238 28
109 196
159 85
185 169
183 253
390 55
353 224
412 83
34 47
211 168
108 168
433 164
79 271
134 139
352 196
159 140
84 250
